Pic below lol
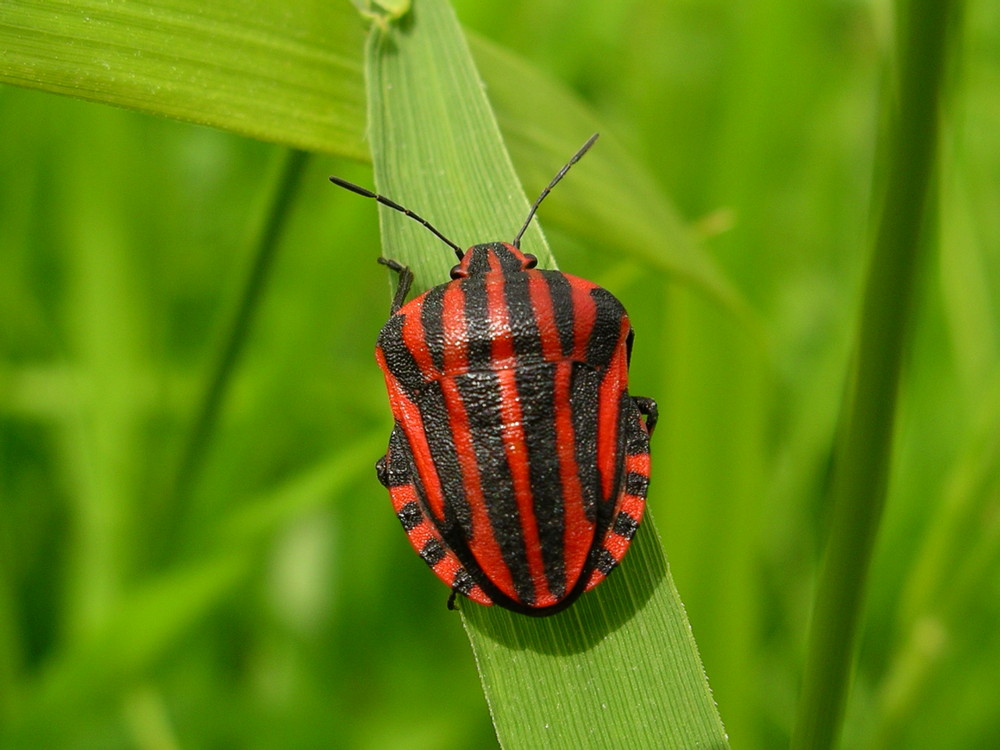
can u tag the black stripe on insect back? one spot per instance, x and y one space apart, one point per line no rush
508 260
479 350
437 429
561 294
636 437
398 358
604 561
583 402
636 484
410 516
625 525
536 395
433 552
521 317
480 394
431 319
607 327
536 390
463 581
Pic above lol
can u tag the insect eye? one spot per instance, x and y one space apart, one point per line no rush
456 272
530 261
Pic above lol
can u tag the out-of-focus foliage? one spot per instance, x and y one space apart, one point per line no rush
281 606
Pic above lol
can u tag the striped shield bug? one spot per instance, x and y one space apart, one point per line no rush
518 463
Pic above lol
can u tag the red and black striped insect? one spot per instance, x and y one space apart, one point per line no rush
519 463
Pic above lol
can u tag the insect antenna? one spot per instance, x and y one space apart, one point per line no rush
534 206
392 204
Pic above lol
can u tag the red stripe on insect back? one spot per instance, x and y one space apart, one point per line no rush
455 353
612 386
541 300
401 495
634 506
517 460
477 594
423 532
635 484
413 426
501 336
637 462
584 316
447 567
483 543
579 531
616 545
416 341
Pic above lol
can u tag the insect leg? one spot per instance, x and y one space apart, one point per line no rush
405 282
648 407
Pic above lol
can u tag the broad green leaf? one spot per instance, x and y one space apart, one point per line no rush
283 72
620 667
291 74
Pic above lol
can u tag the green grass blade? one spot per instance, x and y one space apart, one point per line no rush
233 342
283 72
885 327
619 667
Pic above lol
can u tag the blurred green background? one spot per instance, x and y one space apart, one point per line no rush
279 604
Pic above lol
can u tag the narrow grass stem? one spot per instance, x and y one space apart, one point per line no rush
234 339
884 329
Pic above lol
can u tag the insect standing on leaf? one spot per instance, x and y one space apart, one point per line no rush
519 463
